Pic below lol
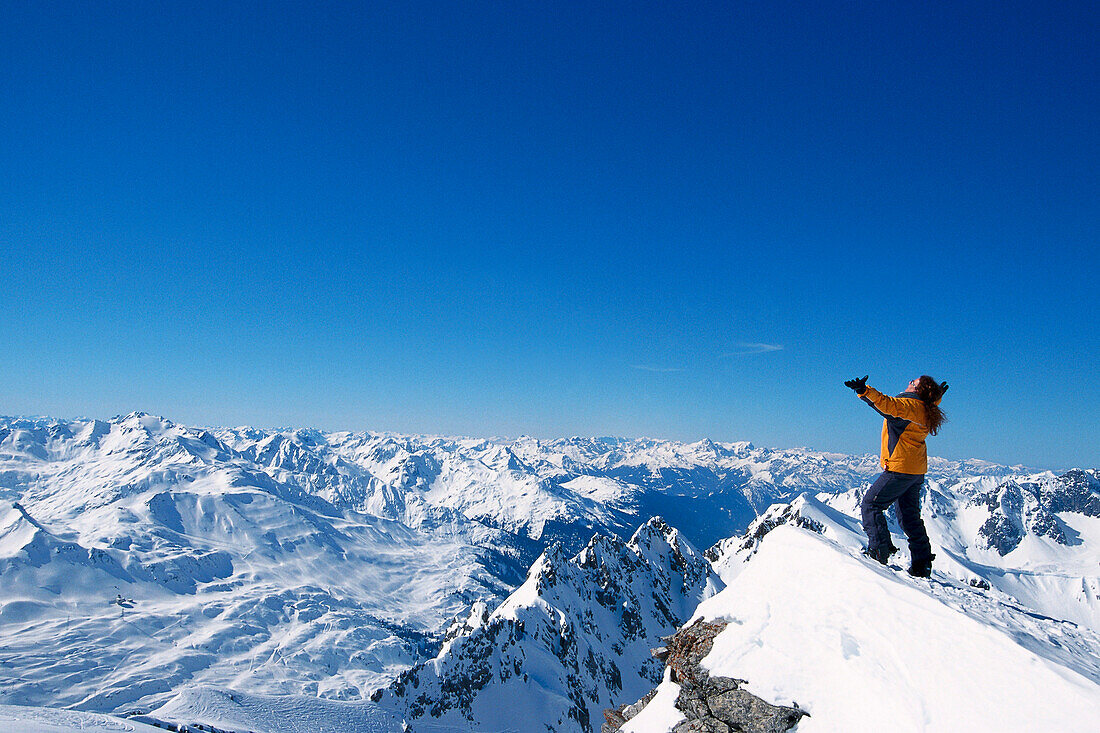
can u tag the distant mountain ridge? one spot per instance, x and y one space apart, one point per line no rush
533 488
313 565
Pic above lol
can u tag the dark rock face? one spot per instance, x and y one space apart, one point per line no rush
1075 491
711 704
1004 529
617 717
1018 508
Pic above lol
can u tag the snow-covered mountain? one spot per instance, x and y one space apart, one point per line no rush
206 575
573 640
1034 538
861 647
480 680
807 622
138 556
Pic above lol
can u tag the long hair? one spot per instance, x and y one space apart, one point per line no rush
930 392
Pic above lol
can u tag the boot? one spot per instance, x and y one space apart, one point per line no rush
880 554
922 568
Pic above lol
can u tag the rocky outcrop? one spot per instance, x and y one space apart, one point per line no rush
711 704
616 717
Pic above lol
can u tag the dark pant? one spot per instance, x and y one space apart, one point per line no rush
904 488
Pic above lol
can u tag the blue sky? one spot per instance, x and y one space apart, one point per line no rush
666 219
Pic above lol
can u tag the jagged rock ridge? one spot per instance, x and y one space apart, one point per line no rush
572 640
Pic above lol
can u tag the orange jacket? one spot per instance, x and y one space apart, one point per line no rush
903 431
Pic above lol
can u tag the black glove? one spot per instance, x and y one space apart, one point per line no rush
943 387
859 385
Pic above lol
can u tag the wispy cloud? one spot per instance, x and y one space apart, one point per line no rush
648 368
749 349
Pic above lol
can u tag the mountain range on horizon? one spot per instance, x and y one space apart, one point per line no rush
160 570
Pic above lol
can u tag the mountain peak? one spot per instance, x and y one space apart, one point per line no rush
151 424
811 624
365 547
571 641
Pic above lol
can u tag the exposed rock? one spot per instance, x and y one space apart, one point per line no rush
1020 507
629 711
688 646
1004 529
1074 491
711 704
776 516
615 718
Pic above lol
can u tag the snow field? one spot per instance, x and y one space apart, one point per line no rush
866 648
20 719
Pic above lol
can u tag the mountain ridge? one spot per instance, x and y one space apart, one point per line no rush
321 566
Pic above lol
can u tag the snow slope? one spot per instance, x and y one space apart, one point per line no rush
236 711
866 647
1032 538
20 719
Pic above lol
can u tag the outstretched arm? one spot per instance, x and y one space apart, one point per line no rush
906 409
859 386
872 405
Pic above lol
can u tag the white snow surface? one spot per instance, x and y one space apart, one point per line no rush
661 713
866 647
235 711
25 719
1061 580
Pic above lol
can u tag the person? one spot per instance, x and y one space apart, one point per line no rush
908 419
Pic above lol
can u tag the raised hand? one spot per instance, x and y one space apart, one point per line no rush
859 385
943 387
